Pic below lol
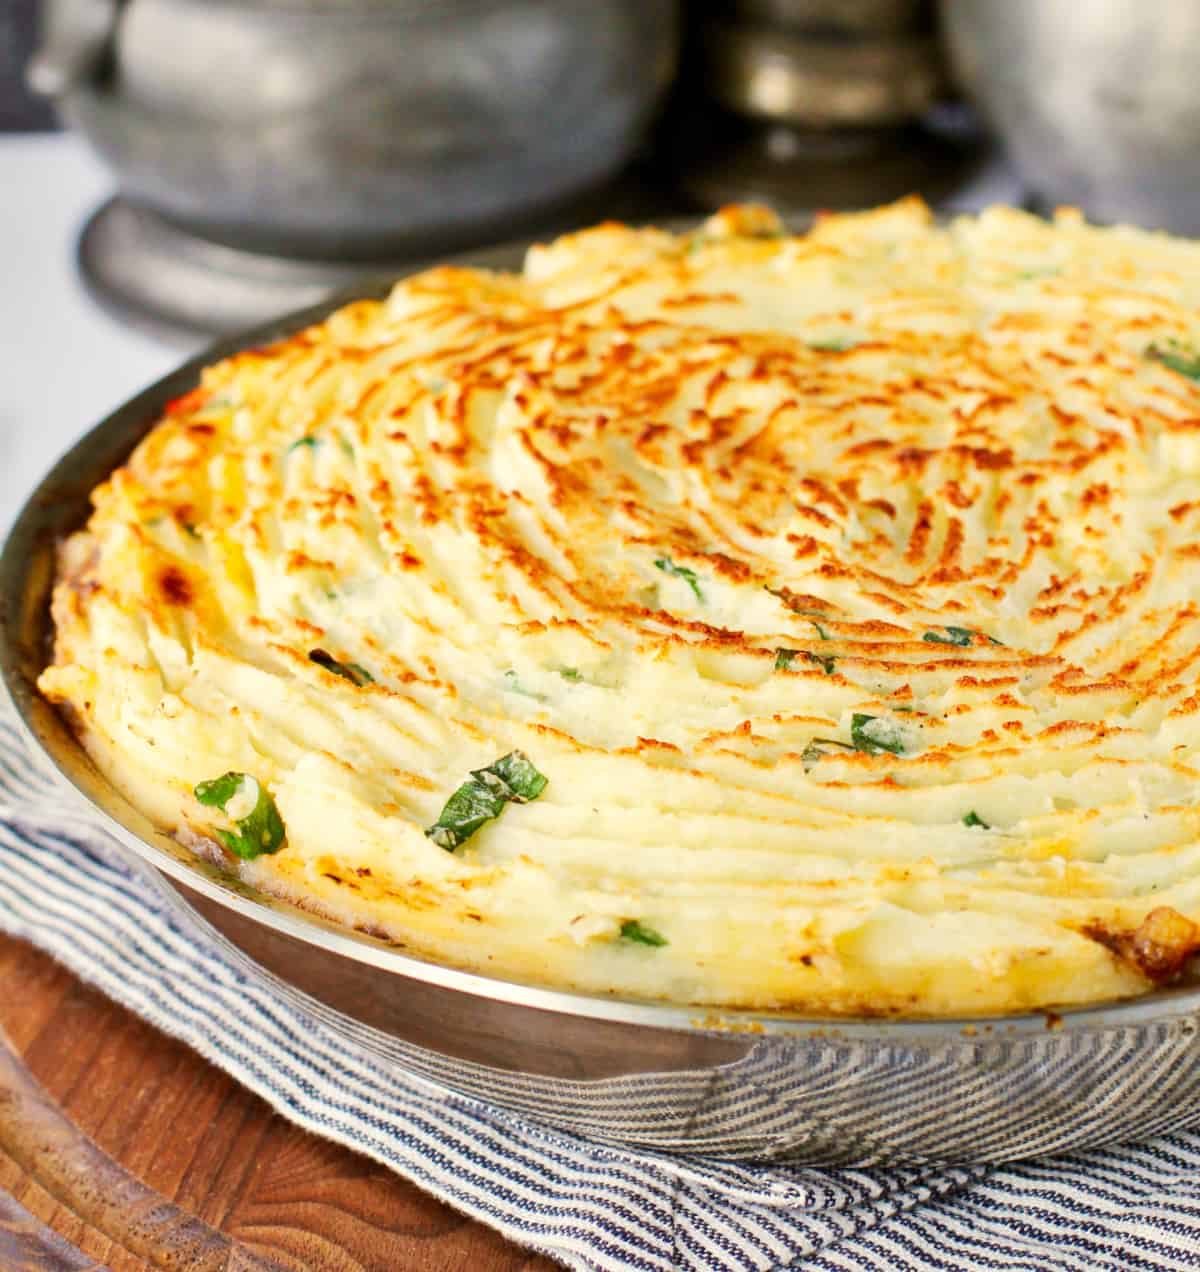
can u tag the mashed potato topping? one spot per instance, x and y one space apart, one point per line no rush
733 618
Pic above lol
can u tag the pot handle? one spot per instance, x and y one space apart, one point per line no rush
75 36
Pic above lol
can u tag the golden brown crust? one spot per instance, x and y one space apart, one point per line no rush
844 588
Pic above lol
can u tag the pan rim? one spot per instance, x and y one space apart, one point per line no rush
115 435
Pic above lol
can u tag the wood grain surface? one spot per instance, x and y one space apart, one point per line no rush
122 1149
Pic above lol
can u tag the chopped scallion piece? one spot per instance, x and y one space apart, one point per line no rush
797 606
819 748
348 671
973 819
637 932
873 735
680 572
1176 356
961 636
260 829
482 797
512 683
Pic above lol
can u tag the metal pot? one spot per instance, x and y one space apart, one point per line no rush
1098 103
355 128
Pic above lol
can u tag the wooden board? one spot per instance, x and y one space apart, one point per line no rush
122 1149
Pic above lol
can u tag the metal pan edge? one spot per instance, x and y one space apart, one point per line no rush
673 1034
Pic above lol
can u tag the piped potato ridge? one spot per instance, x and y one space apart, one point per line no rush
730 618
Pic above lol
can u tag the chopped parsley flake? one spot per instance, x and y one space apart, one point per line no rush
819 748
785 658
482 797
640 934
512 683
571 674
352 672
961 636
870 735
1176 356
258 831
680 572
973 819
797 606
833 345
308 440
875 734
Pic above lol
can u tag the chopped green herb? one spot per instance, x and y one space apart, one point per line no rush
973 819
874 734
517 772
514 685
570 673
190 529
640 934
1176 356
680 572
352 672
819 748
831 346
961 636
785 658
259 830
308 440
954 636
482 797
346 447
871 735
797 607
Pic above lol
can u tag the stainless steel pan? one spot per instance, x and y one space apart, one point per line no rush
661 1076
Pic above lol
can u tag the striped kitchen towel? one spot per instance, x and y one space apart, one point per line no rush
67 888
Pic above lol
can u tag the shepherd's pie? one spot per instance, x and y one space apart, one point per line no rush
731 618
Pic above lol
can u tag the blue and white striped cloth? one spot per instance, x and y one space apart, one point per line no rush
67 888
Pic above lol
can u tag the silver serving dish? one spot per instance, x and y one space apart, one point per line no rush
659 1076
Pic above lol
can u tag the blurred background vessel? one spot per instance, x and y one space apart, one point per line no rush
1098 102
811 104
